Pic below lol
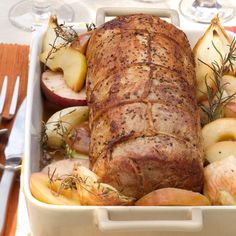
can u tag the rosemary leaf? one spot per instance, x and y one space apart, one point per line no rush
215 95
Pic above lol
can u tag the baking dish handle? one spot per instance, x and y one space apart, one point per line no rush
102 13
107 225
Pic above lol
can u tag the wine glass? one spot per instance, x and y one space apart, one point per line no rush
204 11
28 14
151 1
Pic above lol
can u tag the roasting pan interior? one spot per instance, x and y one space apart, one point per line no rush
35 108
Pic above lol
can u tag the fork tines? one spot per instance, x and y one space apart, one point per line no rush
12 109
3 95
14 99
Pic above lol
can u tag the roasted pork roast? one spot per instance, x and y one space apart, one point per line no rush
144 120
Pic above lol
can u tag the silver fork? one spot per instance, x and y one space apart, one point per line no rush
3 94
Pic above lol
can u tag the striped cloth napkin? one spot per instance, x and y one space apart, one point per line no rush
13 62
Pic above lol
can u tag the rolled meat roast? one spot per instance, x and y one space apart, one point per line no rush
144 120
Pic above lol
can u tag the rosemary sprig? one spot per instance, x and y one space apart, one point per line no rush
70 182
231 56
44 136
90 26
216 100
65 33
66 182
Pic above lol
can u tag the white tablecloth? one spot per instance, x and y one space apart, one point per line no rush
84 11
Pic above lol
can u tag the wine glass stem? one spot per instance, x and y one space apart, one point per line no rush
206 3
41 8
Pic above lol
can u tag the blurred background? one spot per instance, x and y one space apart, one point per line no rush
190 11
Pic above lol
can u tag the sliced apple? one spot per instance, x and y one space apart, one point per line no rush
50 35
65 167
45 192
61 122
219 130
173 197
220 150
71 62
92 192
57 92
225 198
220 181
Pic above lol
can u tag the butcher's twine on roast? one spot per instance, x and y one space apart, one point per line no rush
144 120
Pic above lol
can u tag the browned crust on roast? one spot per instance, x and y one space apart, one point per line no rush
151 163
141 94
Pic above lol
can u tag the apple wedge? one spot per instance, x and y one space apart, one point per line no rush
71 62
50 37
57 92
61 122
220 150
173 197
45 192
219 130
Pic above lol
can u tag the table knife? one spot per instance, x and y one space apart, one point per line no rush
13 154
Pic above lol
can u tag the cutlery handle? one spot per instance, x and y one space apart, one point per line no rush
5 189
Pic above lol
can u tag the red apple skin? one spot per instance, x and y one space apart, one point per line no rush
81 42
61 95
79 138
231 28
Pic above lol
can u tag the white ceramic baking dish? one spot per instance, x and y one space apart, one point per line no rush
52 220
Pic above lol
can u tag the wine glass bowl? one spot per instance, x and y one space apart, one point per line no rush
28 14
203 11
150 1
